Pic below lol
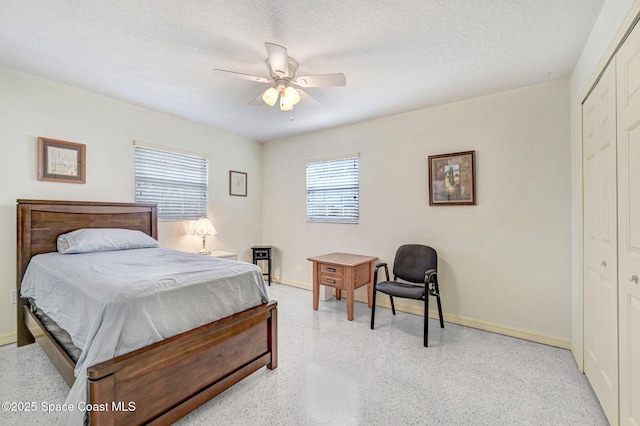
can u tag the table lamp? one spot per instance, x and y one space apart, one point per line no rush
203 229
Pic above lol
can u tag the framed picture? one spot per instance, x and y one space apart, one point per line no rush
452 179
61 161
237 183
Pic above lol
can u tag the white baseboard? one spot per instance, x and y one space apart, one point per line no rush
578 357
297 284
507 331
8 338
455 319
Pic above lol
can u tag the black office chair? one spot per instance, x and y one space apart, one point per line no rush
414 263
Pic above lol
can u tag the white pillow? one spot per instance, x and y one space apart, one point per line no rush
103 239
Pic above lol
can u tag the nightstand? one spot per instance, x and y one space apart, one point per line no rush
263 253
224 254
343 271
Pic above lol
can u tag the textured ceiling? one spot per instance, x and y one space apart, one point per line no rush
397 56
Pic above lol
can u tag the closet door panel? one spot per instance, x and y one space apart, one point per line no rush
600 243
628 77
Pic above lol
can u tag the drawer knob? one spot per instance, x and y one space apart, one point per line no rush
331 269
330 281
633 278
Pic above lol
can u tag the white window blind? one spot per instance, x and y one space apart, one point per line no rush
333 190
176 182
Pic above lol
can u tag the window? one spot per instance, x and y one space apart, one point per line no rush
176 182
333 190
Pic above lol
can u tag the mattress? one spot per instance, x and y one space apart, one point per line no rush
61 336
114 302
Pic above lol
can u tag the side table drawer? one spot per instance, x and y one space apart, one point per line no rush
332 269
331 281
261 254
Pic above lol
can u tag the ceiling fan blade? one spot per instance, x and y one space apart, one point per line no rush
258 99
322 80
278 59
242 76
306 98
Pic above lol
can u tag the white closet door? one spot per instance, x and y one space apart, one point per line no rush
628 79
600 243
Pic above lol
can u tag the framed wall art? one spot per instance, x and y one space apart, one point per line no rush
61 161
452 179
237 183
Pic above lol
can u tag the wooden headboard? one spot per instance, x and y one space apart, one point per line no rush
41 221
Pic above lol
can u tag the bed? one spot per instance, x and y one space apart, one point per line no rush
167 379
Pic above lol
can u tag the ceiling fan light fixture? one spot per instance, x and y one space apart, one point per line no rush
282 70
285 104
270 96
292 95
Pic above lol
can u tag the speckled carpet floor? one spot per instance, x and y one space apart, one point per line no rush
335 372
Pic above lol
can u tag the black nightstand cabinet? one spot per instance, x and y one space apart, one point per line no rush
263 253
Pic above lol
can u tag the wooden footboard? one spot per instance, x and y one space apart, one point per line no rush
163 382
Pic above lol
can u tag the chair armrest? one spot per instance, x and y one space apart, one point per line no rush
430 275
375 271
431 282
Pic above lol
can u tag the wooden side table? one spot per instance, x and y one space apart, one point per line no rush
343 271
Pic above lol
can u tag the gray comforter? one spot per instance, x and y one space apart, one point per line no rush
115 302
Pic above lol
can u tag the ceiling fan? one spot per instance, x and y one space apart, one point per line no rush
286 87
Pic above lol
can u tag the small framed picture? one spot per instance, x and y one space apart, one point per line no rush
237 183
452 179
60 161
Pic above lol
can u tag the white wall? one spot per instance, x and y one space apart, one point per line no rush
611 24
504 263
32 107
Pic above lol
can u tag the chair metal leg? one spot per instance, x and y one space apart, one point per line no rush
426 319
393 307
373 307
436 289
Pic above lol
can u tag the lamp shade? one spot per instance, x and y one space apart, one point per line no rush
292 95
285 104
270 96
204 227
